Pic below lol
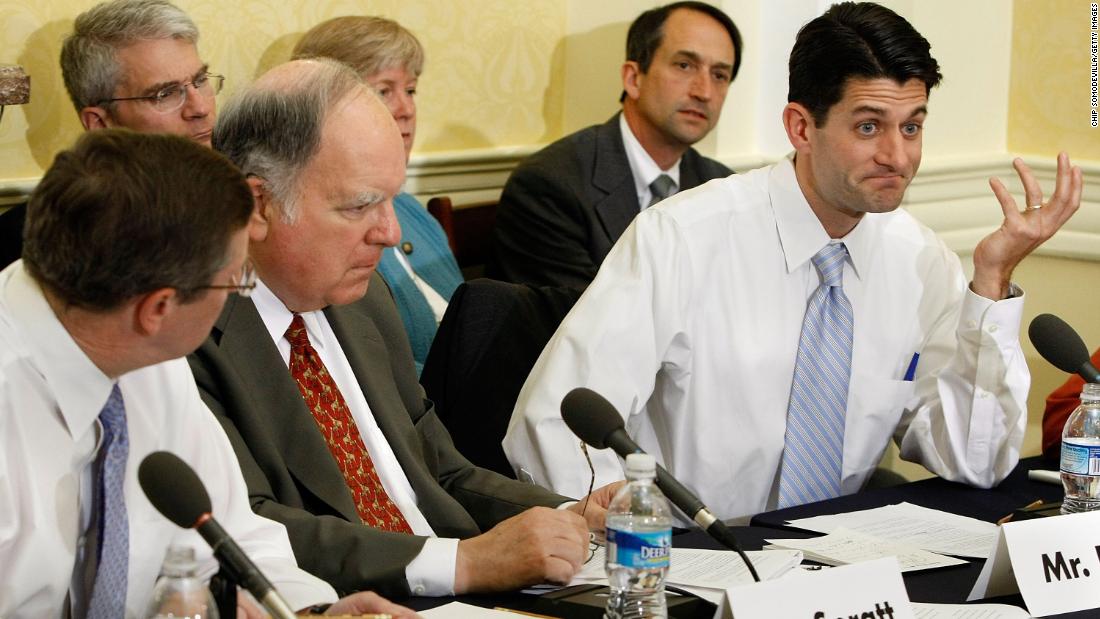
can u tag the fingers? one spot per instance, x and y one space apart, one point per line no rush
539 545
1008 203
1032 191
366 602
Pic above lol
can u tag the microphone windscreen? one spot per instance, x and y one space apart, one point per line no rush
590 416
1058 343
173 488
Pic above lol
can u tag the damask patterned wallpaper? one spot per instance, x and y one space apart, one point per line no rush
1052 102
486 82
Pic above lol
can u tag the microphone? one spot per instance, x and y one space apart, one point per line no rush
596 422
1059 344
177 492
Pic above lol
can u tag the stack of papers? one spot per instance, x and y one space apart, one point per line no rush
844 546
913 525
706 573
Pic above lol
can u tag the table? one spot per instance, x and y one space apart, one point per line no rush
946 585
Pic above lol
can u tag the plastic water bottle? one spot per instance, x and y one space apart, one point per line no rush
1081 454
639 538
179 591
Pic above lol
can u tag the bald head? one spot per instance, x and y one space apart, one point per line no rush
274 127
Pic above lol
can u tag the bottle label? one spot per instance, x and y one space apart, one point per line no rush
1080 459
639 550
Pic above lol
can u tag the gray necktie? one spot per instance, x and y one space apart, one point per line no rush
662 187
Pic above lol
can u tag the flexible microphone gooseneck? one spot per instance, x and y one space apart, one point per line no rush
177 492
596 422
1059 344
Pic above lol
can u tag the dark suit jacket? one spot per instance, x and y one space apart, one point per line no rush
566 205
291 476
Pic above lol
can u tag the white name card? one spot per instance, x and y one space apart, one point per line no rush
868 590
1053 562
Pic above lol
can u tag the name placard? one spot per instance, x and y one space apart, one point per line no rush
1053 562
868 590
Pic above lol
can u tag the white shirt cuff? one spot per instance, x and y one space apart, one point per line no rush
432 572
999 321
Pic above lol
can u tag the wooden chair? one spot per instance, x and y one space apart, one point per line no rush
469 231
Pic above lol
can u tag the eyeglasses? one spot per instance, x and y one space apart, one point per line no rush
243 284
171 98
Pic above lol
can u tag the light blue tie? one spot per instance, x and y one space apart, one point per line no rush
814 444
108 597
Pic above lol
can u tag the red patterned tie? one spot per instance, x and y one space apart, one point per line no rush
334 419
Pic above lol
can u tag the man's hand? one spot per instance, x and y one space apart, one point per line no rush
367 602
539 545
1021 232
594 506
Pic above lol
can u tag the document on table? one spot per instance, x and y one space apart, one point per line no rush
458 610
706 573
844 546
968 611
930 529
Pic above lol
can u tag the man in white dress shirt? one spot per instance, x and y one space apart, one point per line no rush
133 243
703 328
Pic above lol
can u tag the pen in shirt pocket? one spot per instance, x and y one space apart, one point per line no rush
912 371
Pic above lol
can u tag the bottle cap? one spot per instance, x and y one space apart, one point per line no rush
1090 393
640 466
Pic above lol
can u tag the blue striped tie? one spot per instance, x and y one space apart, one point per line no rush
108 597
814 444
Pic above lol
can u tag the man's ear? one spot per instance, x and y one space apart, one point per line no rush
153 308
800 127
95 117
632 79
263 209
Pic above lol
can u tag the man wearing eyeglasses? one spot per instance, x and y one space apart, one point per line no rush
134 64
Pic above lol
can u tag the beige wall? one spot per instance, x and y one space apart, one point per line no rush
486 82
1049 109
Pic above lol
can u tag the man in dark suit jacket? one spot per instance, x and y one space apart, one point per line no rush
351 439
565 206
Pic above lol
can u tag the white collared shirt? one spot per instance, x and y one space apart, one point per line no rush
642 166
51 395
432 572
691 328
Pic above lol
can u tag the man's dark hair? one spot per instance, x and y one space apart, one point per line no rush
648 30
855 40
122 214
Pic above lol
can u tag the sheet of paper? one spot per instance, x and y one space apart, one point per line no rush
712 569
843 546
968 611
930 529
458 610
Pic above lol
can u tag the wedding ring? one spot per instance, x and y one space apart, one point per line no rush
1035 207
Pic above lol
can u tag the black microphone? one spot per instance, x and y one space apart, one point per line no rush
596 422
1059 344
177 492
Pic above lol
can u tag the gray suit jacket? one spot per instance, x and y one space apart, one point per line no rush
566 205
291 476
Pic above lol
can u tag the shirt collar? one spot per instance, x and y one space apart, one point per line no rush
642 166
277 317
80 388
801 234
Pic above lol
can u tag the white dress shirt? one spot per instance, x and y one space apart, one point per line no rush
432 572
691 327
435 300
51 395
642 167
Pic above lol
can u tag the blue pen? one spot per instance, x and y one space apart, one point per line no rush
912 371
